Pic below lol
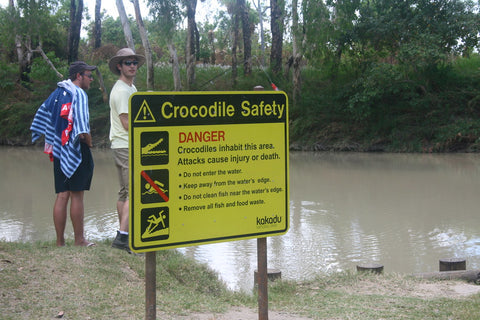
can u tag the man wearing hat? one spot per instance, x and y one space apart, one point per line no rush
64 121
124 64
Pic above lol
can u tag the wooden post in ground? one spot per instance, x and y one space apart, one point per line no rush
150 286
262 276
272 275
262 279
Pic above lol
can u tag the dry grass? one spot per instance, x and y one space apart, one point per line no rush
40 281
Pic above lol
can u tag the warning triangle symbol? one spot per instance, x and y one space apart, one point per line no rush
144 114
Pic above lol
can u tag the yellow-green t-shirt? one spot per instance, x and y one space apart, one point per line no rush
119 98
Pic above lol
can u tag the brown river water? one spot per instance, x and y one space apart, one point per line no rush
404 211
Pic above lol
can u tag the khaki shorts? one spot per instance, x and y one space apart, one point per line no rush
121 162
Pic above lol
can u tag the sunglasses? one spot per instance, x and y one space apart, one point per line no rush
87 75
129 63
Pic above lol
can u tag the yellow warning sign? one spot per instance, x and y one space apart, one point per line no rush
212 168
144 114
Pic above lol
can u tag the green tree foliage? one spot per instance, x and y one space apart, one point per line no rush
373 70
167 15
382 70
34 23
420 32
112 32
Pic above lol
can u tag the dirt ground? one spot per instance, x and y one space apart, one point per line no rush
241 313
427 290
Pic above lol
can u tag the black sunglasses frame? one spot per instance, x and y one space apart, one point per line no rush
129 63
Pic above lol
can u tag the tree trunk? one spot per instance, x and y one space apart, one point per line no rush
177 82
48 61
277 8
297 52
211 41
146 45
23 60
197 42
126 26
97 31
247 42
76 14
235 45
262 36
190 50
22 57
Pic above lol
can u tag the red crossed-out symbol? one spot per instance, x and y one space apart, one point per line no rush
154 185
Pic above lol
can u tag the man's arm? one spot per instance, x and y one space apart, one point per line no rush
87 139
124 120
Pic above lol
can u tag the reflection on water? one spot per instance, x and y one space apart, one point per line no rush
404 211
27 196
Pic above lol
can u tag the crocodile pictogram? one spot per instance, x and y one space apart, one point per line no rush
148 149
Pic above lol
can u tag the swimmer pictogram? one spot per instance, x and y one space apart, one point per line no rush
155 186
149 189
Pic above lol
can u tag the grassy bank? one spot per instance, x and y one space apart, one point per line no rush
41 281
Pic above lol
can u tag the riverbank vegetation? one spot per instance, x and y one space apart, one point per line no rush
438 114
386 75
42 281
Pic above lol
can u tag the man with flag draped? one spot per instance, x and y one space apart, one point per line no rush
64 121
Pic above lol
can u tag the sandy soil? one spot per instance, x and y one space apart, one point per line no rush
240 313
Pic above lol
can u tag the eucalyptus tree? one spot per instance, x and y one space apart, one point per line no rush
277 20
208 41
97 29
419 32
113 33
261 10
297 54
76 15
247 39
29 25
168 16
127 31
328 28
146 45
232 10
192 41
238 11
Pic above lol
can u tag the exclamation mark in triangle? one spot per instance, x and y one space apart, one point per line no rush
144 114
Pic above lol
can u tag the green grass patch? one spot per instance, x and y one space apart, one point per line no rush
40 280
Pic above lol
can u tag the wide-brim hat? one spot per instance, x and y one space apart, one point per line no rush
121 55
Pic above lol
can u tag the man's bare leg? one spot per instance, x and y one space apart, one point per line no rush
123 211
60 216
77 216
